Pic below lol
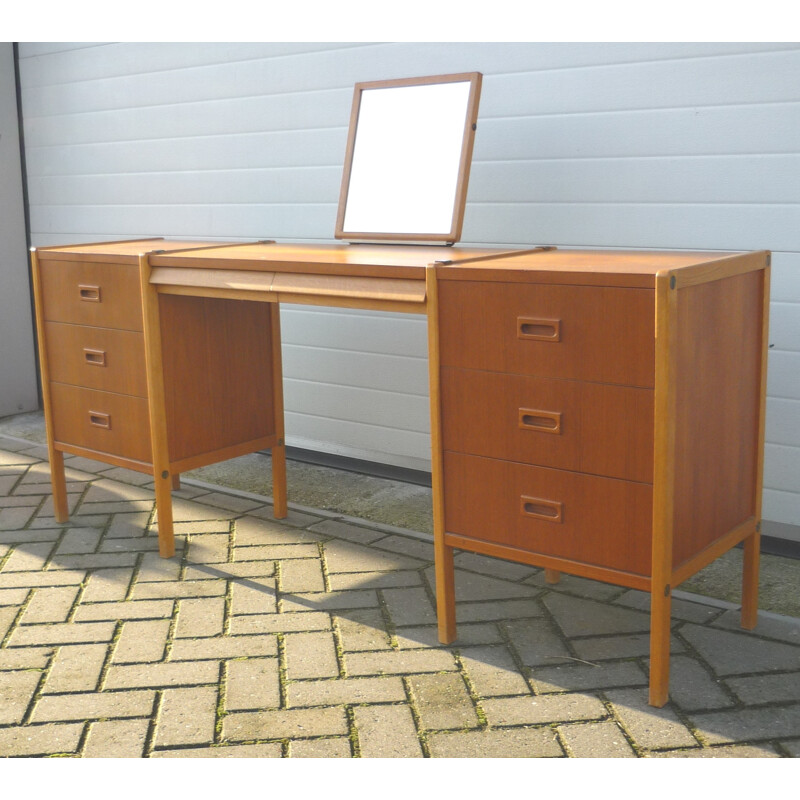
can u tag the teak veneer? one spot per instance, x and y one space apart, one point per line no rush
595 413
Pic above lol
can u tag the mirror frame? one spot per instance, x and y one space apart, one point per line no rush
467 142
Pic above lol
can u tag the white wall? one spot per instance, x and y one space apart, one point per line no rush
689 146
18 390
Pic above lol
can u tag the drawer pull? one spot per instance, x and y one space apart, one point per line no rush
100 420
547 510
96 358
541 330
90 294
540 421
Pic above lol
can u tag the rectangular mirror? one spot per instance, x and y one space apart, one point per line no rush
408 157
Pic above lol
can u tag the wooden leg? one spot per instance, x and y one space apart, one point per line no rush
280 507
166 533
660 619
752 557
445 592
176 483
58 482
552 576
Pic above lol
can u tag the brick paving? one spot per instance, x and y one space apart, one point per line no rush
315 637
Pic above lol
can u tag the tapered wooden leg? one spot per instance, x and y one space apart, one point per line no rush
279 494
552 576
176 483
660 619
166 533
752 558
58 482
280 507
445 592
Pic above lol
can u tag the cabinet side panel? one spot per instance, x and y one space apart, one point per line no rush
719 329
217 373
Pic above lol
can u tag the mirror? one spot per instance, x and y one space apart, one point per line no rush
408 157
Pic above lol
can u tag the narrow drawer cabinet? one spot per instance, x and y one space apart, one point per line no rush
600 414
100 367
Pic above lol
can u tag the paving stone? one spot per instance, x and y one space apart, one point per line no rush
16 691
94 561
7 616
142 641
428 636
583 677
410 606
280 724
154 568
580 587
731 653
231 502
15 518
107 585
529 710
253 596
203 527
208 549
321 748
399 662
492 671
79 540
268 750
252 683
408 546
62 633
219 647
362 629
498 610
121 507
200 616
296 518
536 642
442 701
699 613
190 511
341 691
692 687
93 705
649 727
347 531
387 732
132 609
177 589
40 740
350 557
496 567
471 587
724 751
506 743
25 657
229 571
49 578
116 738
302 575
141 545
310 655
329 601
759 689
627 645
160 675
773 626
76 668
186 716
105 490
374 580
596 740
8 456
28 557
249 531
578 617
29 535
749 724
281 623
50 604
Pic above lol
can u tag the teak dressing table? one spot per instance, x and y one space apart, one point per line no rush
593 412
625 437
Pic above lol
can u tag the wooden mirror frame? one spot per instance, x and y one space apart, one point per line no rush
468 139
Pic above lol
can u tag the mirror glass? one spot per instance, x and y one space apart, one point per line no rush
408 159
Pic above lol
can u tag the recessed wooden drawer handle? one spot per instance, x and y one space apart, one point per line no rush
542 330
100 420
547 510
89 293
541 421
96 358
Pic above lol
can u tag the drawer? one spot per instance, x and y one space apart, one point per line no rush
103 421
591 333
91 293
586 427
598 521
96 358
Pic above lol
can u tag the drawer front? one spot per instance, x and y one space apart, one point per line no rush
97 358
598 521
586 427
600 334
103 421
103 295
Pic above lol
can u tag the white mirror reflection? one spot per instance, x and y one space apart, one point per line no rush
407 160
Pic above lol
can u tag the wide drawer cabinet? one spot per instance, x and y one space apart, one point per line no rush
602 415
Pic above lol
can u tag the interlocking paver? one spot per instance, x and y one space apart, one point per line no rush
62 633
281 623
321 748
310 655
351 691
160 675
649 727
399 662
302 575
116 738
107 585
537 710
387 732
178 589
279 724
363 629
142 641
76 668
596 740
442 701
492 671
252 683
203 616
93 705
138 609
504 743
220 647
186 716
749 723
40 740
268 750
16 691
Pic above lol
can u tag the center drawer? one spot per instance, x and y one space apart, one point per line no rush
98 358
592 333
586 427
598 521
